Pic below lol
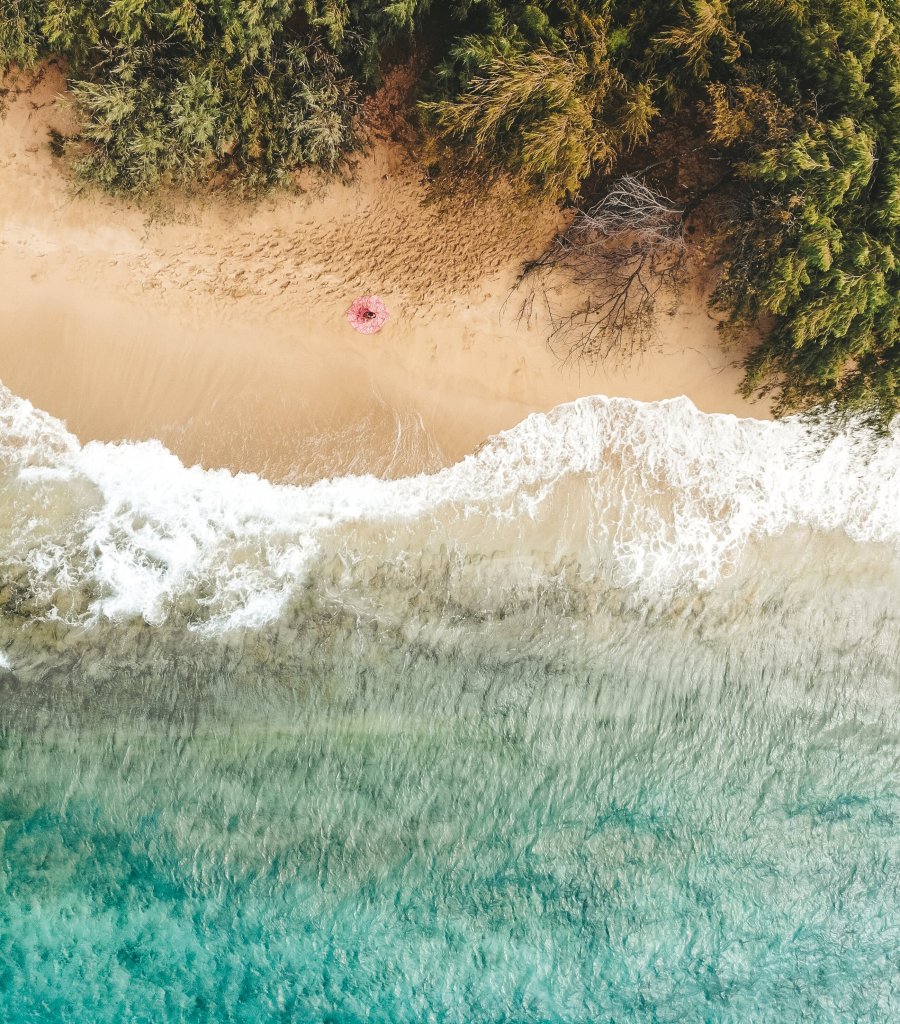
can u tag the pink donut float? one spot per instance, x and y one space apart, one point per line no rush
368 314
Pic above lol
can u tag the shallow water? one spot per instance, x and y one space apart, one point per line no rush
599 725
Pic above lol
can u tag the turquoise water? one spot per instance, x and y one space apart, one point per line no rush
462 769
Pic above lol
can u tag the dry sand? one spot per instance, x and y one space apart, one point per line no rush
220 330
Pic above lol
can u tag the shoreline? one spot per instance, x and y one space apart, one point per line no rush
222 333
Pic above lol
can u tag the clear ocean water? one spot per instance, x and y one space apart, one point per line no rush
599 725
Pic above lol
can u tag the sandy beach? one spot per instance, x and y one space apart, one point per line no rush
220 330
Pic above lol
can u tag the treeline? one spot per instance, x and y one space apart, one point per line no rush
791 109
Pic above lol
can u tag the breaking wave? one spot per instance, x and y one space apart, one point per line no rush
658 499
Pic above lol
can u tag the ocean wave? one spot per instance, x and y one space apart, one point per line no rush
655 498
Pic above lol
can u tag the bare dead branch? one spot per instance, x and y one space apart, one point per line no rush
629 249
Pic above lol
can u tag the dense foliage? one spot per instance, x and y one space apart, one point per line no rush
811 125
793 106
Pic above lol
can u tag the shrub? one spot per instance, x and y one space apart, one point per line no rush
159 118
179 91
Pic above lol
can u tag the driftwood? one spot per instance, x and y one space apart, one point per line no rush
629 252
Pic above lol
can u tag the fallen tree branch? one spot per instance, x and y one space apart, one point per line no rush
629 248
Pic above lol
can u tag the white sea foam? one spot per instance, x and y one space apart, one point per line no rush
657 497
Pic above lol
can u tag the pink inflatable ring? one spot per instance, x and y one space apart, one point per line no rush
368 314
